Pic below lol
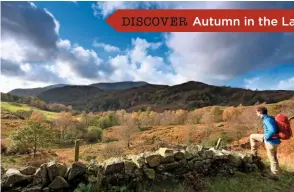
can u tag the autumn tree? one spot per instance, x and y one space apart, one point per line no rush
127 131
121 115
181 116
84 118
63 122
34 135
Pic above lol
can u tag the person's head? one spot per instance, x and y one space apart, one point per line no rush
260 111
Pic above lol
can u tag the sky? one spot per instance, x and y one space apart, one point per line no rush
45 43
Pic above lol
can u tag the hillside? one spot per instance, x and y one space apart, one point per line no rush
70 95
34 91
8 107
134 96
188 96
117 86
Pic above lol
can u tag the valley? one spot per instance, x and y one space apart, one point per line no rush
123 132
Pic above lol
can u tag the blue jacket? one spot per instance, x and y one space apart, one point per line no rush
270 128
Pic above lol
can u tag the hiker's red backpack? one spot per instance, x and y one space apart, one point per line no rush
283 124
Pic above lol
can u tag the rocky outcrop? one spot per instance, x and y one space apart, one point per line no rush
132 171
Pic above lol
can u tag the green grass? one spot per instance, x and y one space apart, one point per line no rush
11 107
243 182
251 182
15 161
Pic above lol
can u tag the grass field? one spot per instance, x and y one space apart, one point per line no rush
242 182
11 107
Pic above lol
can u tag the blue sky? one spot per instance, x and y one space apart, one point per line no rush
46 43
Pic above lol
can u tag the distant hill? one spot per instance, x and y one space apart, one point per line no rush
189 95
70 94
117 86
33 92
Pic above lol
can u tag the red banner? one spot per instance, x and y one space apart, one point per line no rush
202 20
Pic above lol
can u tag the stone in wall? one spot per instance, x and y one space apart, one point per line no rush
56 169
28 170
133 171
13 178
76 170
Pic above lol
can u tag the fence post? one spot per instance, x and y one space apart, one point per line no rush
77 146
218 143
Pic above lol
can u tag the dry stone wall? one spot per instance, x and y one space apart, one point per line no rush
132 172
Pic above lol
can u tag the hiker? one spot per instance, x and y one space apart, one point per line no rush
269 138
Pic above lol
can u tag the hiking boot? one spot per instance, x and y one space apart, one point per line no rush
258 162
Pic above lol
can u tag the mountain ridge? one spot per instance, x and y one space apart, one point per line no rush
33 92
111 86
188 95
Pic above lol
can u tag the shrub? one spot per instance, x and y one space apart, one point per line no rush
18 148
94 134
23 114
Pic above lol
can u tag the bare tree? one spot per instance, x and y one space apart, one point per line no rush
63 122
126 132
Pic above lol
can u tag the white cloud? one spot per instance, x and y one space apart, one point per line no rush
8 82
43 58
261 83
253 83
138 53
138 65
105 9
106 47
76 61
287 84
33 5
57 25
64 44
26 67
